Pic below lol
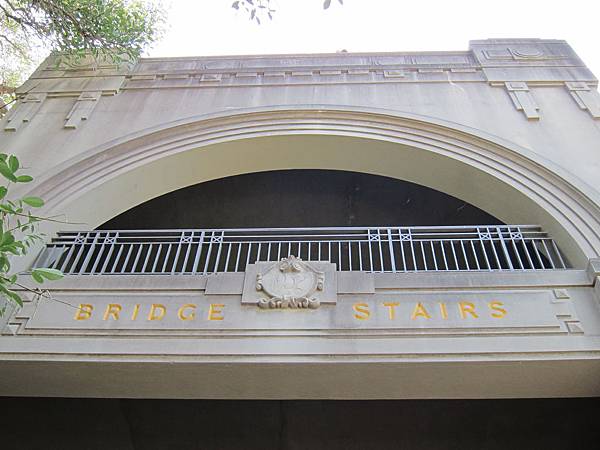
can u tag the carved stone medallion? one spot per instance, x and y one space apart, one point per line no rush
290 283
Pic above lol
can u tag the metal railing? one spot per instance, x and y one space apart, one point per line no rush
385 249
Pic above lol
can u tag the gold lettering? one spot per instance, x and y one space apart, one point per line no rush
497 307
443 311
191 315
84 312
420 311
136 310
157 311
215 312
467 308
113 309
391 309
361 310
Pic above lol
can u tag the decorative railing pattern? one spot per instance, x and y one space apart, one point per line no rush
384 249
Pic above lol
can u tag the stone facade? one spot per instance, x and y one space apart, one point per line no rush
510 126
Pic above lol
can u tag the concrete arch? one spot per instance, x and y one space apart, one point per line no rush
497 176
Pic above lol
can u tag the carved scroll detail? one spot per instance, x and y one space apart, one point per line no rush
290 284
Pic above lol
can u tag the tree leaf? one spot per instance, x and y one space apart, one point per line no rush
235 5
37 277
24 178
7 239
326 4
50 274
3 191
7 208
13 163
4 263
34 202
11 295
6 172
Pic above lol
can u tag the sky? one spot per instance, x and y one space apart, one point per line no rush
212 27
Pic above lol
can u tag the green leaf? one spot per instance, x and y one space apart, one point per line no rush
34 202
6 172
13 163
24 178
37 277
7 208
11 249
11 295
7 238
3 191
49 274
4 264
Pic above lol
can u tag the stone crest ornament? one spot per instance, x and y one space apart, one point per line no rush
290 283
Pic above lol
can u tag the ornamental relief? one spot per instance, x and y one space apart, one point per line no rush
290 283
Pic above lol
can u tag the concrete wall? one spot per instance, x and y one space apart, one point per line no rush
509 126
96 133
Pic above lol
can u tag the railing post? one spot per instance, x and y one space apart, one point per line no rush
504 249
391 247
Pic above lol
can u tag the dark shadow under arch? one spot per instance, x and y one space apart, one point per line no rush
301 198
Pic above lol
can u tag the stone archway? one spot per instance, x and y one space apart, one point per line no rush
496 176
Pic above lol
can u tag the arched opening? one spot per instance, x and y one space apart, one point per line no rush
502 179
357 221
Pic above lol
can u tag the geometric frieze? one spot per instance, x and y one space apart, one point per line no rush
24 111
586 97
522 99
82 109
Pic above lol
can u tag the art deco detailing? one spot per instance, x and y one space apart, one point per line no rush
377 249
515 64
290 283
523 100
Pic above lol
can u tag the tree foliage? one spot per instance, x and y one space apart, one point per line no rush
261 9
74 27
18 231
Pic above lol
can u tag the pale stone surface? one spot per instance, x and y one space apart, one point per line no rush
510 126
533 100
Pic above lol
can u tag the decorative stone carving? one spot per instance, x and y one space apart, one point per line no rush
82 109
290 283
24 112
565 311
586 97
522 99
